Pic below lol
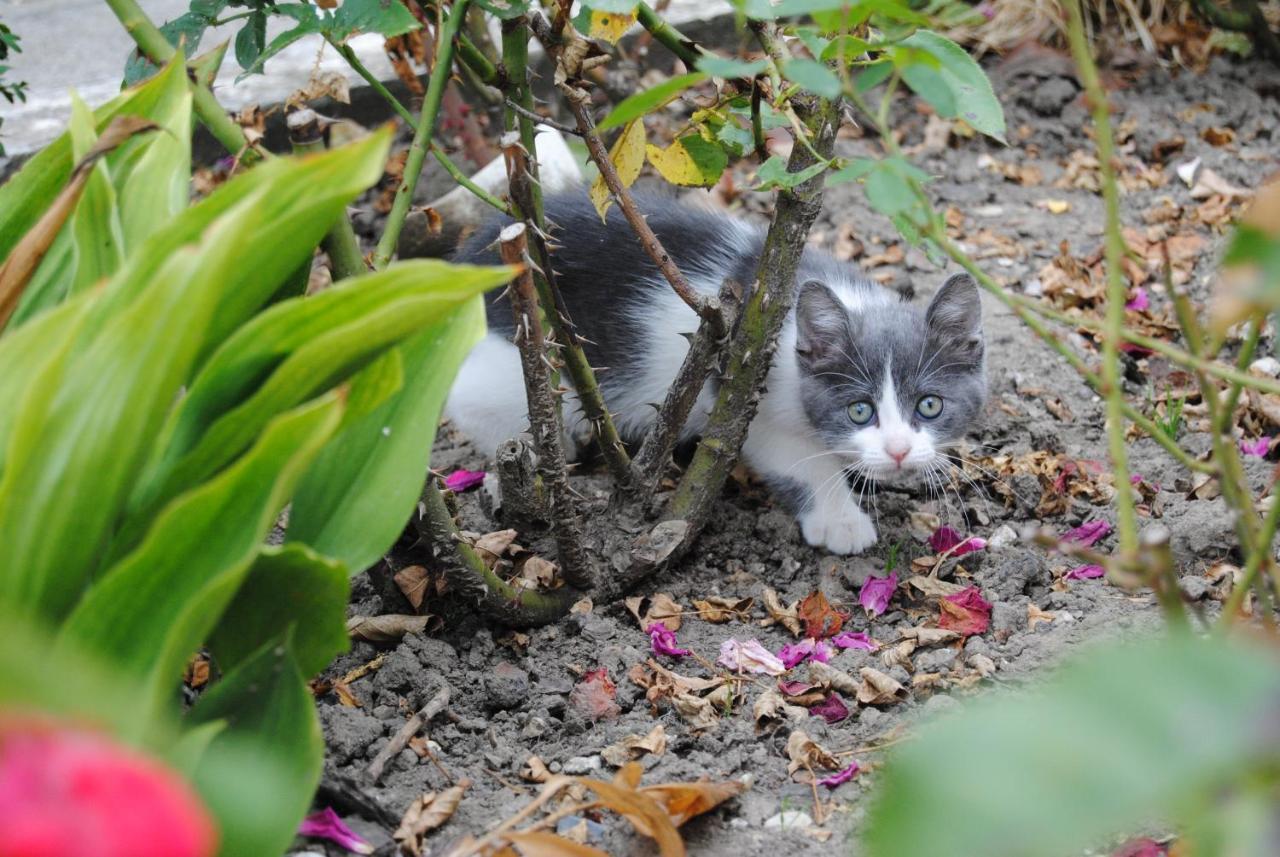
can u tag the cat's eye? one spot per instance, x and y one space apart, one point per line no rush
861 412
929 406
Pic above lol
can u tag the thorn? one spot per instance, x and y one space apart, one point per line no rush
689 335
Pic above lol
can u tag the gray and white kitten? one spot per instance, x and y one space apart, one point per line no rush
862 384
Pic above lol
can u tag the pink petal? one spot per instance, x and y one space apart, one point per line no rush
464 480
663 640
832 709
1087 534
749 657
326 824
854 640
840 777
971 614
1085 572
876 592
822 652
794 654
795 688
1259 447
1140 300
944 539
1141 848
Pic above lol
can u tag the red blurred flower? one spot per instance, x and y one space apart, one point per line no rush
66 792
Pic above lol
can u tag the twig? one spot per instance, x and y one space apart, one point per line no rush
672 39
757 121
401 739
1114 252
422 135
154 46
542 120
544 422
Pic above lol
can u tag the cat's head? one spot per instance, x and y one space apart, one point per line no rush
891 385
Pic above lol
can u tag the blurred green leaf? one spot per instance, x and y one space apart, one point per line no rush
308 22
844 47
288 587
258 774
1126 734
972 98
773 174
615 6
888 192
183 32
195 557
872 76
813 76
251 40
852 171
929 84
650 99
385 18
735 139
729 68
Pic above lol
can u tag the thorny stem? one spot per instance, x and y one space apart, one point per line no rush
422 135
340 243
542 120
1025 310
1114 251
153 45
475 59
544 421
672 39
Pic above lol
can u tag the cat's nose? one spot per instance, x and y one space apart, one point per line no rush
898 450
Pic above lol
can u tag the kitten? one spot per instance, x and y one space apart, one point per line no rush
862 383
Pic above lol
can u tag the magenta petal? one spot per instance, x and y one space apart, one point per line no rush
796 653
1140 300
464 480
840 777
969 545
876 592
822 652
944 539
795 688
1087 534
832 709
854 640
663 641
1085 572
1259 447
326 824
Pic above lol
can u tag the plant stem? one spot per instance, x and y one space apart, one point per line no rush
678 43
1114 251
475 59
440 73
154 46
544 420
1257 558
340 243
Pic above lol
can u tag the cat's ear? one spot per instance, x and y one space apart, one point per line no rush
955 313
822 323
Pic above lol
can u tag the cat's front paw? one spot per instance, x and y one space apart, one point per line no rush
841 530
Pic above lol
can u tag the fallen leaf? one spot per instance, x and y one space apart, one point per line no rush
772 710
787 617
540 843
750 657
1216 136
879 689
661 683
718 609
819 617
412 581
535 770
1035 616
825 675
388 628
646 815
966 612
633 747
426 814
804 753
661 608
684 801
697 711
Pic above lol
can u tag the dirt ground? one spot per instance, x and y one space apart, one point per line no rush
512 699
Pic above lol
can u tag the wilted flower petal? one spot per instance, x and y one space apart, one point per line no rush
464 480
663 640
796 653
840 777
1259 447
944 539
854 640
1085 572
832 709
795 688
1087 534
1140 300
326 824
966 612
63 790
749 657
876 592
821 652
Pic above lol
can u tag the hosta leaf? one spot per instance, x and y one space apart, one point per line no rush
1125 736
289 587
689 161
972 96
650 99
627 156
258 774
195 557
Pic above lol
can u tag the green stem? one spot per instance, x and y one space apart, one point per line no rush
672 39
422 135
1247 350
475 59
155 47
1114 251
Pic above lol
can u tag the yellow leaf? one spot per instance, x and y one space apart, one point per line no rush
611 26
678 166
627 157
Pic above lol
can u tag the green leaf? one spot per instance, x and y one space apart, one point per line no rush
855 11
773 174
852 171
729 68
357 497
690 161
287 587
929 84
1127 734
844 47
183 32
505 10
888 192
735 139
813 76
615 6
195 557
974 101
258 774
251 40
387 18
872 76
650 100
309 22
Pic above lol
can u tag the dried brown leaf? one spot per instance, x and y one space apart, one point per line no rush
412 581
803 752
787 617
820 619
772 710
633 747
828 676
534 770
645 814
717 609
684 801
660 608
539 843
426 814
388 628
879 689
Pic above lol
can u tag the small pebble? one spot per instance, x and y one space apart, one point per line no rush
791 818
